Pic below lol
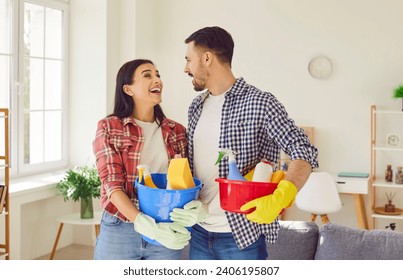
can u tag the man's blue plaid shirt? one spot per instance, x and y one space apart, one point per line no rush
255 125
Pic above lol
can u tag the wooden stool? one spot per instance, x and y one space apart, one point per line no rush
324 218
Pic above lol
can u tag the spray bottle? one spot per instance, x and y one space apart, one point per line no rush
263 171
233 173
144 173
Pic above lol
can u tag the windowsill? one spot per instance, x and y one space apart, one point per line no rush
35 183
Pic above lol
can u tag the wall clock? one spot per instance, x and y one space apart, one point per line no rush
320 67
392 140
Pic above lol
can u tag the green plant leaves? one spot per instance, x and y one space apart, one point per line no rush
80 182
398 92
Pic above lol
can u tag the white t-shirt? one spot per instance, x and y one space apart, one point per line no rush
154 152
206 141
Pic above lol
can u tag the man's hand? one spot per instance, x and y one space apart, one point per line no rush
269 207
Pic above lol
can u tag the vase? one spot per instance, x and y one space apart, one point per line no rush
87 209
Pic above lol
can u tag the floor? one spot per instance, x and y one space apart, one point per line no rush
72 252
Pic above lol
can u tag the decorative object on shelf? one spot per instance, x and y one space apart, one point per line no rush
392 226
320 67
3 195
399 175
390 207
389 173
81 183
398 93
392 140
381 210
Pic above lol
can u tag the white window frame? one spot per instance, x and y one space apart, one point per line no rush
18 167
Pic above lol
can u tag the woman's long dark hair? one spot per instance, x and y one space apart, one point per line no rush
124 103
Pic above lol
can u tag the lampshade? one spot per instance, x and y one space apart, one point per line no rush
319 194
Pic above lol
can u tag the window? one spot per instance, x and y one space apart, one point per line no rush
33 58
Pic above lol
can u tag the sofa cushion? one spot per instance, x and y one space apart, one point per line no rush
337 242
296 241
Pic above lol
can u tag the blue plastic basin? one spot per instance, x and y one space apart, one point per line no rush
158 203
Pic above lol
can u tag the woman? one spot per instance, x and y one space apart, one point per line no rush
137 132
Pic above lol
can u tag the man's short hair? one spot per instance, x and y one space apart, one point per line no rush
215 39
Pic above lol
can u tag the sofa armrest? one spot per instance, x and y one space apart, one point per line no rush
337 242
297 240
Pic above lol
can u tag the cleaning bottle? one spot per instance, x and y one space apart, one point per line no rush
233 173
249 175
263 171
144 174
277 176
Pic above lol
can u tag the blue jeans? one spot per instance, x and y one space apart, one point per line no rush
118 240
206 245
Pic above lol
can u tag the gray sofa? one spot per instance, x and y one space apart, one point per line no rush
306 241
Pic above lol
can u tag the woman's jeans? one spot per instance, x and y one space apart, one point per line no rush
118 240
206 245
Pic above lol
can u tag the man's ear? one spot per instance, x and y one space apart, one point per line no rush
208 57
127 90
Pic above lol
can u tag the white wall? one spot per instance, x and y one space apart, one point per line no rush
274 41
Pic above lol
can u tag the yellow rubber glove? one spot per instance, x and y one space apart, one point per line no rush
269 207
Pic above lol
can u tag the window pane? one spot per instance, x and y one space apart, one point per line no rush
33 86
53 33
4 81
34 30
33 137
53 84
5 26
53 136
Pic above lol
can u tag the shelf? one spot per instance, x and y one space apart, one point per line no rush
380 148
380 216
383 184
388 112
4 158
379 185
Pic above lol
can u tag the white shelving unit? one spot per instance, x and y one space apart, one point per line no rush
379 150
4 167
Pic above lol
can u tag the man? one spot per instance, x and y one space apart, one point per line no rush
235 115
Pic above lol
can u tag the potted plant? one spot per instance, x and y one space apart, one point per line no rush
81 183
398 93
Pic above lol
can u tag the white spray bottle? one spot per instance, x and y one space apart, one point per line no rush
263 171
233 173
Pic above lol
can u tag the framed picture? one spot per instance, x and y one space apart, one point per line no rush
392 140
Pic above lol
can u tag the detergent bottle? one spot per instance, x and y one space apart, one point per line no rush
233 173
144 174
263 171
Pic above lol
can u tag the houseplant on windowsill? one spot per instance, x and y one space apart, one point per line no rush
81 183
398 93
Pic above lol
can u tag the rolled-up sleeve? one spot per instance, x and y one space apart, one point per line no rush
291 138
109 163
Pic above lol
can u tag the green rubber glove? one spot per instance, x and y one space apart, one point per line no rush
169 235
269 207
192 213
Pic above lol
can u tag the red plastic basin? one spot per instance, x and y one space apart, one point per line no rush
235 193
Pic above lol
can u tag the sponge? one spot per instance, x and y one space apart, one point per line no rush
179 175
